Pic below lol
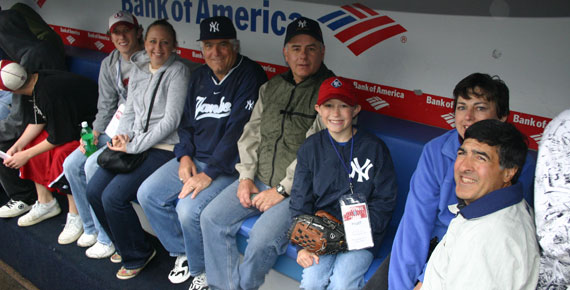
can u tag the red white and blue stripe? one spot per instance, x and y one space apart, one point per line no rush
357 26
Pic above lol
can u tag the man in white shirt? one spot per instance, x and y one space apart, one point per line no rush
490 244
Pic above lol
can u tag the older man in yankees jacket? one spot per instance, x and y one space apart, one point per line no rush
221 96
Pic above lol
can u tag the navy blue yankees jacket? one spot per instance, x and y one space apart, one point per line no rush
215 114
320 179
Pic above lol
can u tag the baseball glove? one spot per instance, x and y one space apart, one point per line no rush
321 233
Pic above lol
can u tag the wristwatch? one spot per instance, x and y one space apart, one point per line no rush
281 190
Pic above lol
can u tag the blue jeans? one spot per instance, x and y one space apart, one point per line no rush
5 104
221 221
177 221
110 196
75 168
343 271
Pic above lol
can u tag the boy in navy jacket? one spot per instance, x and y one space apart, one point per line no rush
339 161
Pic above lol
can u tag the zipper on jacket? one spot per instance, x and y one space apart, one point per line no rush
280 136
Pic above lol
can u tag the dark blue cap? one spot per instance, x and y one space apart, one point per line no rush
304 25
217 27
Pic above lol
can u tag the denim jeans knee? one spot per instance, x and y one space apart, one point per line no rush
220 222
267 240
317 276
75 175
158 195
189 211
75 168
341 271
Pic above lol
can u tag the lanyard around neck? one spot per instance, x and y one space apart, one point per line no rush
120 86
346 167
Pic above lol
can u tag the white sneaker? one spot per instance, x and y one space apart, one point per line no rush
14 208
72 230
39 212
199 282
180 272
87 240
100 251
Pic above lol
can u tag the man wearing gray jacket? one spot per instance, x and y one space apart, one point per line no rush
268 146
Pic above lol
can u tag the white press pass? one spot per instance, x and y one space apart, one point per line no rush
357 226
114 124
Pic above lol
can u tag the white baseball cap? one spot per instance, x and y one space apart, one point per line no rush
122 17
12 75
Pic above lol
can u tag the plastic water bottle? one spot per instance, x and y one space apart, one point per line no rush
87 137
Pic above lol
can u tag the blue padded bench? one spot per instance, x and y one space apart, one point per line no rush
405 140
84 62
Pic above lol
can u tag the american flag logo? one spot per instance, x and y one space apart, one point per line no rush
70 39
377 103
450 119
99 45
537 138
360 27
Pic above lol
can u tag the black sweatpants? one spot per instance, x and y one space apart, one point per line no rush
16 188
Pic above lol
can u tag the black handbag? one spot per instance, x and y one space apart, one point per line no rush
121 162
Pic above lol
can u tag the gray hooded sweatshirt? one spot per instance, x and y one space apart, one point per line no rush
168 104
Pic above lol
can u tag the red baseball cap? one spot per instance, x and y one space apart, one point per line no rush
337 88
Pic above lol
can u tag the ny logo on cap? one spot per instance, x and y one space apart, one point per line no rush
214 27
336 83
302 23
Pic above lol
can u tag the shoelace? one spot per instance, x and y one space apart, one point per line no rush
69 224
36 205
199 282
11 203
